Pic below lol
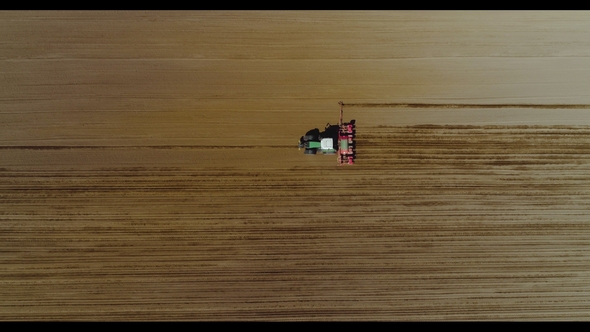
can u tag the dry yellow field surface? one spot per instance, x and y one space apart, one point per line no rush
149 167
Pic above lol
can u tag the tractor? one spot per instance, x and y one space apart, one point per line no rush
334 140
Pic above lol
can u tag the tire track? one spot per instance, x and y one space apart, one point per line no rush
134 147
467 106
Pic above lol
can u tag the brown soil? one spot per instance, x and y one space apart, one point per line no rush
149 167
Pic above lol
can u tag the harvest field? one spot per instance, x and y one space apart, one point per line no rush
149 167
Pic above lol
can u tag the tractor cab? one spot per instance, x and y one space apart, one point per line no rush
316 142
335 139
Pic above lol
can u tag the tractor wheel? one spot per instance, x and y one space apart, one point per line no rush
311 151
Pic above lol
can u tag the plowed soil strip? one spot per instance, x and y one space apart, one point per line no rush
466 106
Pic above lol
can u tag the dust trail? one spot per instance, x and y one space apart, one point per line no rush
422 105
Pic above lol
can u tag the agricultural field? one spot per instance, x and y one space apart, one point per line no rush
149 167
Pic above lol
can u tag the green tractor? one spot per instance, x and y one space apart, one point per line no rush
335 139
